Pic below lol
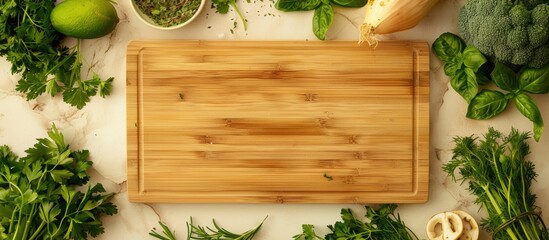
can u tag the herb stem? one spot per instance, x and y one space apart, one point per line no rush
75 72
59 64
14 211
12 220
233 4
38 230
26 14
498 210
28 222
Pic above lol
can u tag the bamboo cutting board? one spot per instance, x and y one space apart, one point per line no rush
277 122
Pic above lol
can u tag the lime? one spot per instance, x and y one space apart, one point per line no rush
84 18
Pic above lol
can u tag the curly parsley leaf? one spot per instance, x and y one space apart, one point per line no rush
31 44
39 196
308 233
381 223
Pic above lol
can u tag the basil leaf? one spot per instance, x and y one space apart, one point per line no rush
322 20
350 3
465 83
451 68
534 80
504 77
483 73
487 104
447 47
473 58
296 5
528 107
482 79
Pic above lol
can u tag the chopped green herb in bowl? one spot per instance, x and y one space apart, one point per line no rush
167 14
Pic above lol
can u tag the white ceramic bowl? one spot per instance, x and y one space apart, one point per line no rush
145 19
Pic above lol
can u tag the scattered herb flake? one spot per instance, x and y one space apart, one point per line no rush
222 7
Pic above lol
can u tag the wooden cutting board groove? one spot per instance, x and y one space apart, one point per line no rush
277 122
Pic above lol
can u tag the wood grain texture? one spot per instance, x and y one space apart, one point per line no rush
277 122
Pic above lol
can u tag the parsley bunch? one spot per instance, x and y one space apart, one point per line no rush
32 45
382 224
38 195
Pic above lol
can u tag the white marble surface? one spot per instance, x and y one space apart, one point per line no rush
100 126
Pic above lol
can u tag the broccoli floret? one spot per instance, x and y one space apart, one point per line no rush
507 30
540 57
503 53
516 39
533 3
520 16
540 15
523 56
538 35
463 26
492 26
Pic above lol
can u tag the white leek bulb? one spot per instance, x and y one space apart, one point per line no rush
389 16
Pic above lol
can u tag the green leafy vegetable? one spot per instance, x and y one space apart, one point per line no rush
473 58
487 104
468 69
500 176
504 77
324 13
350 3
381 224
448 47
514 32
464 81
322 20
297 5
39 197
32 45
222 7
461 64
528 107
206 233
308 233
534 80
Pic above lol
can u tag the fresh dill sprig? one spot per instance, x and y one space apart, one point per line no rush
500 177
